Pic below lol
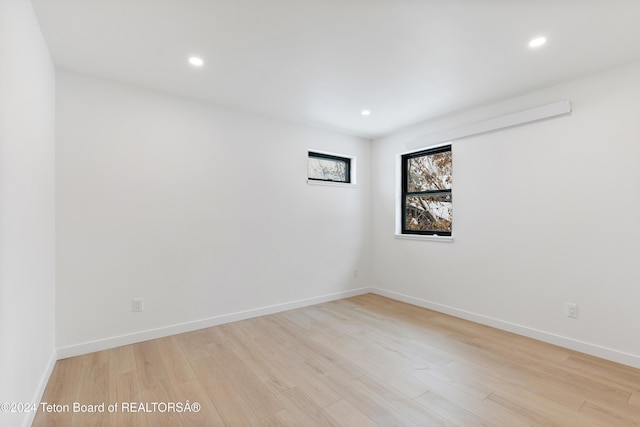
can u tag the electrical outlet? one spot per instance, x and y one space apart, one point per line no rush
138 304
355 274
572 310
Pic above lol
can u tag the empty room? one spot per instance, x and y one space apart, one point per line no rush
319 213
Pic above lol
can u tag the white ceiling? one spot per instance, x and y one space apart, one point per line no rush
322 61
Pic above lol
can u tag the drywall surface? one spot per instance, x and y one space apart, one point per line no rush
543 214
27 224
200 210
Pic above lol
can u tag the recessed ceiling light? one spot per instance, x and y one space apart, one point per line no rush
196 61
365 112
537 42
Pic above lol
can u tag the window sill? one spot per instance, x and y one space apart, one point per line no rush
443 239
331 184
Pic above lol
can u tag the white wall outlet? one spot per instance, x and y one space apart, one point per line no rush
355 274
572 310
138 304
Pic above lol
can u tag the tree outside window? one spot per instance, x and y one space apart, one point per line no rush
426 192
328 167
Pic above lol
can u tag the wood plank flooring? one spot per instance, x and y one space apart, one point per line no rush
362 361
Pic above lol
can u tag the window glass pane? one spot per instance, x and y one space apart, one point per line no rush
432 212
328 169
431 172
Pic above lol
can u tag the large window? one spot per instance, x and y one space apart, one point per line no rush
328 167
426 192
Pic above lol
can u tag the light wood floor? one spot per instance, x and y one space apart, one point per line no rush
362 361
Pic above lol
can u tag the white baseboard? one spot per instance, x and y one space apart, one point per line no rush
570 343
42 385
117 341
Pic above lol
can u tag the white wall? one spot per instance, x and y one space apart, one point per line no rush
544 214
202 211
27 249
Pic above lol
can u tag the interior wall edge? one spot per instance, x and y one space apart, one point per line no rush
42 385
117 341
610 354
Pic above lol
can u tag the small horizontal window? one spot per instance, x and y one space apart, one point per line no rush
328 167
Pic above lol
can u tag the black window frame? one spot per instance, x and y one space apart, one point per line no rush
345 160
404 191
